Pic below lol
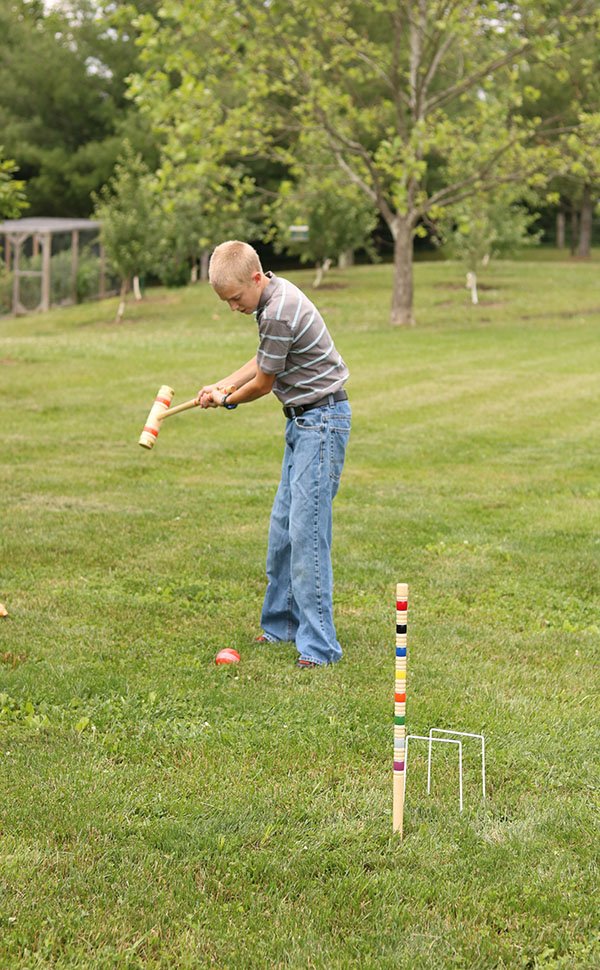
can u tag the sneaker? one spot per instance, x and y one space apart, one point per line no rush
265 638
306 664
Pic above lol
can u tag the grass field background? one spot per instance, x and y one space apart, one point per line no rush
157 811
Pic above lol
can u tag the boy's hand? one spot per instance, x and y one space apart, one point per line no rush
204 396
210 395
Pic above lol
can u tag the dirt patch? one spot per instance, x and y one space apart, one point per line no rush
469 306
331 286
566 315
12 659
7 361
482 287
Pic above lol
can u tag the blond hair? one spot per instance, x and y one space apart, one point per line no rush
233 262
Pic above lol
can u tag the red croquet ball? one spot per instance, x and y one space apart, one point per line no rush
227 656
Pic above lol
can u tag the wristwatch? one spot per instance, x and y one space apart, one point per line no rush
228 407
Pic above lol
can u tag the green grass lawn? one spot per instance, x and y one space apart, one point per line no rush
159 811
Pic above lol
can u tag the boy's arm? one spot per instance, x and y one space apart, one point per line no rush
258 386
241 376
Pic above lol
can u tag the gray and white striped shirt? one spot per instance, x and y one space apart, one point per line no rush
296 345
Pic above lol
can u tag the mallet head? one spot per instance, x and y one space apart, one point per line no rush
162 402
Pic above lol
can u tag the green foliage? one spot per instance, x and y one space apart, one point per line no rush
582 150
487 226
202 203
63 112
88 275
127 209
6 290
205 180
12 196
418 111
339 217
569 95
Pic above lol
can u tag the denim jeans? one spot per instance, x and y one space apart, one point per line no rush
298 603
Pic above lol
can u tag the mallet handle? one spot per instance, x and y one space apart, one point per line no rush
180 407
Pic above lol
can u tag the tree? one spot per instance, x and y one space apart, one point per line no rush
339 218
396 88
569 97
12 196
204 177
581 154
483 227
201 204
63 110
127 209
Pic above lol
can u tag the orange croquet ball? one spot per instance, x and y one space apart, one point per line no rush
227 656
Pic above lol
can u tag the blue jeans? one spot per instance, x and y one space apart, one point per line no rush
298 603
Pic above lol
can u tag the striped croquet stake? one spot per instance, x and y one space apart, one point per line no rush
400 707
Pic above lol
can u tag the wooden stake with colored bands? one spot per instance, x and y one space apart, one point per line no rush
400 708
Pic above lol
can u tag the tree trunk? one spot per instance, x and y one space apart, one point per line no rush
585 224
204 260
472 286
136 288
560 230
346 259
321 268
122 297
402 295
102 279
574 229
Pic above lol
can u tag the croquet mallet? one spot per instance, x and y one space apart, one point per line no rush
161 409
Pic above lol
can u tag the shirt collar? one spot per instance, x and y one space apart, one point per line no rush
267 292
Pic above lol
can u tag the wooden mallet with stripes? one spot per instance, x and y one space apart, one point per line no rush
160 410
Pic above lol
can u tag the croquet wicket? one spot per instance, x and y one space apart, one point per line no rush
401 738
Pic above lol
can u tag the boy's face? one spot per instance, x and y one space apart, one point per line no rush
243 297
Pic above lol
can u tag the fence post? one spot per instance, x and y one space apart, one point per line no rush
46 256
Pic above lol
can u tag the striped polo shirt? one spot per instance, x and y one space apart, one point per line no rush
296 345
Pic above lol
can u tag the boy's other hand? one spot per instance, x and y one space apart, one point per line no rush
207 394
204 396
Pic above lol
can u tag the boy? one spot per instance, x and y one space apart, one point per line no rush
297 360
